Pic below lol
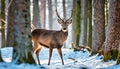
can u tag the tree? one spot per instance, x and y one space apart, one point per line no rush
3 23
98 25
43 12
50 13
64 9
83 38
89 37
36 14
74 22
19 13
113 31
2 16
78 23
10 23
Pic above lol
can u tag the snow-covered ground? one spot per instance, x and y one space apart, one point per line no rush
73 60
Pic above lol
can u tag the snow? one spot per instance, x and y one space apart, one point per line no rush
72 60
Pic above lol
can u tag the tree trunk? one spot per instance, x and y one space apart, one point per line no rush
19 24
43 12
89 37
64 9
10 24
74 23
2 16
0 31
99 25
36 14
113 31
55 3
50 14
83 22
78 19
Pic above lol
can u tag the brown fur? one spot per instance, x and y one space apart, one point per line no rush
49 38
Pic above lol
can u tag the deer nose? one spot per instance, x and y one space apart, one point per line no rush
64 28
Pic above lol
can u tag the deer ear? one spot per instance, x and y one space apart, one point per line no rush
60 21
69 21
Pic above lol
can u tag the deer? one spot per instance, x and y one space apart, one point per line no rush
51 38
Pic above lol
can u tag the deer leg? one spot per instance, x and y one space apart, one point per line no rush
60 53
50 54
36 50
37 54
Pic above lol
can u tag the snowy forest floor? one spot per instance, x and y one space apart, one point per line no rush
72 60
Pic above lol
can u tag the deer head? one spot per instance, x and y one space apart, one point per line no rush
64 23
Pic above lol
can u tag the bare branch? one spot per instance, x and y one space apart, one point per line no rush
2 20
8 6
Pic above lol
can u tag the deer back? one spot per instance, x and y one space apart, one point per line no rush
49 38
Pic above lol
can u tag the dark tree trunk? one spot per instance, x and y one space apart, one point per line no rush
78 21
10 24
43 12
50 14
2 16
19 31
36 14
99 25
113 31
90 23
64 9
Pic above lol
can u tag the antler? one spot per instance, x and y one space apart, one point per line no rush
71 14
58 14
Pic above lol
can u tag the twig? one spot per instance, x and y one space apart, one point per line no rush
2 20
9 4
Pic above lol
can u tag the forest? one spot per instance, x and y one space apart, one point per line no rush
91 26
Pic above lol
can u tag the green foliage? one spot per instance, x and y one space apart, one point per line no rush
118 58
111 55
106 57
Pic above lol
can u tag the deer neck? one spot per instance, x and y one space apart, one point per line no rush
64 34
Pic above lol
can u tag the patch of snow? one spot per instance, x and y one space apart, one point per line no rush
6 54
73 60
